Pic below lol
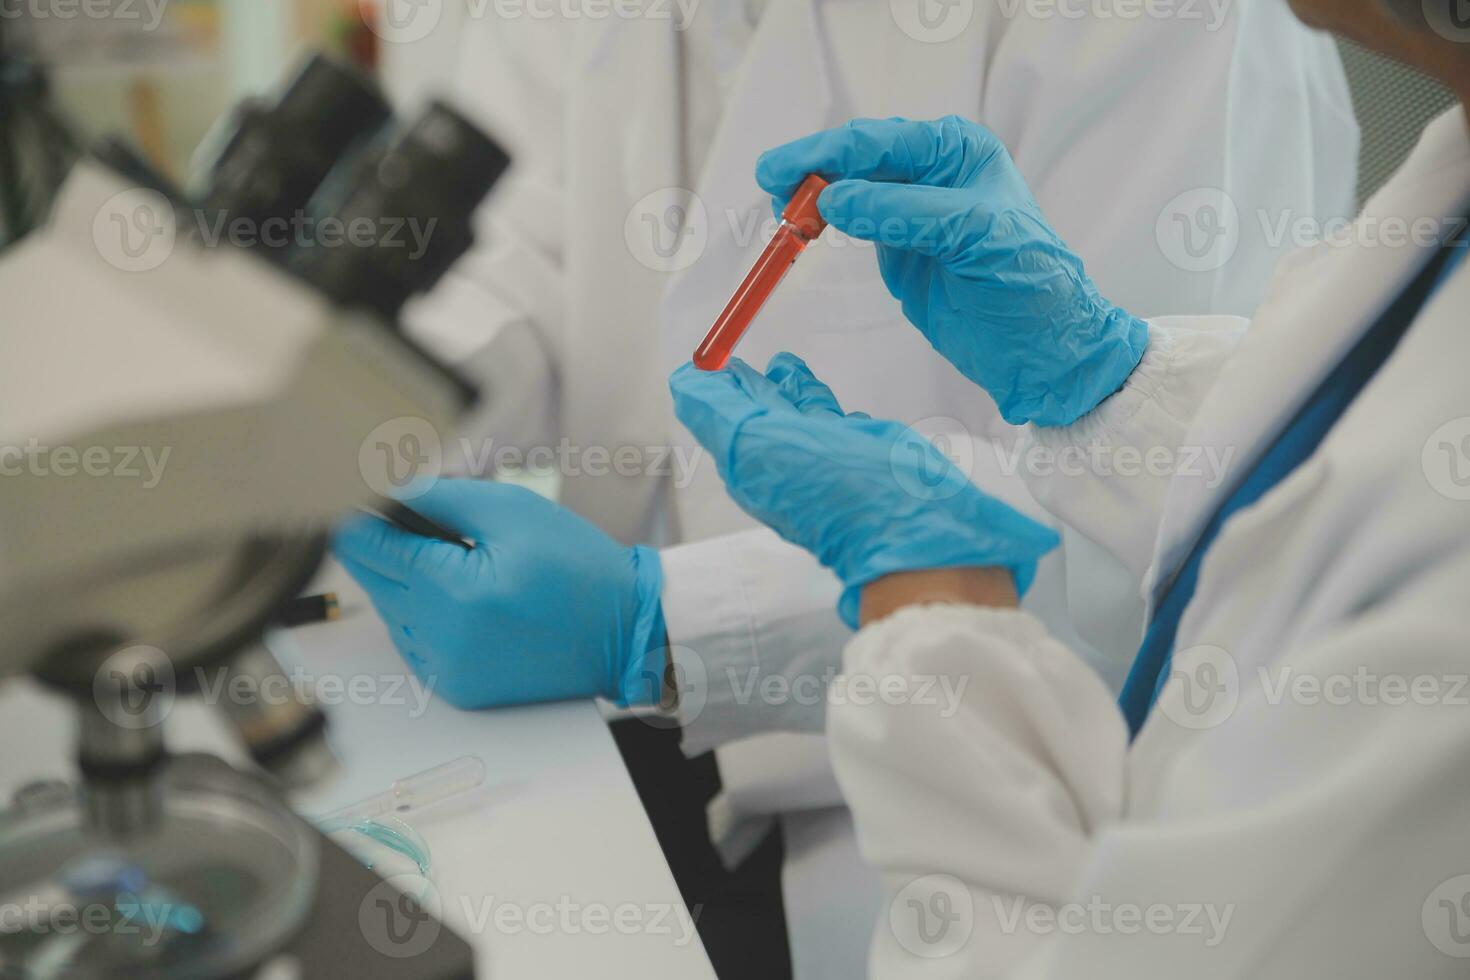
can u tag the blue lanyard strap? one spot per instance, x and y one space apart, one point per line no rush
1296 442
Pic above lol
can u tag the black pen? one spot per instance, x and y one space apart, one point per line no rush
307 609
413 522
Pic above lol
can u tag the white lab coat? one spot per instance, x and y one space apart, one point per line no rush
1108 119
1321 822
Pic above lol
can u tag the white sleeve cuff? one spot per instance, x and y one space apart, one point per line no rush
1108 473
754 636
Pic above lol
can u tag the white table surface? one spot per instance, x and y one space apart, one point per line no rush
553 856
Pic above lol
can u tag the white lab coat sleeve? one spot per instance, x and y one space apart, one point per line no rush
1313 825
1106 475
954 734
498 313
753 626
753 634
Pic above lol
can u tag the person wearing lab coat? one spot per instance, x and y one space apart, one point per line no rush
1295 802
631 215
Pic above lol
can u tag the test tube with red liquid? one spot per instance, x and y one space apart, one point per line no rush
801 223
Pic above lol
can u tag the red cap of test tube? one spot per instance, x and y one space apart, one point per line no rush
802 211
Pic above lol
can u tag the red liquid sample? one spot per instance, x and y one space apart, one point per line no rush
800 225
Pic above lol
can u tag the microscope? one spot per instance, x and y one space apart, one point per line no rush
259 372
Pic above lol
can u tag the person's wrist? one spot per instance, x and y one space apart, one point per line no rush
881 598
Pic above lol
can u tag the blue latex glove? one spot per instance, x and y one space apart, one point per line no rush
964 247
545 607
867 497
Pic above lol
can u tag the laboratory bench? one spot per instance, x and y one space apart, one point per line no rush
548 869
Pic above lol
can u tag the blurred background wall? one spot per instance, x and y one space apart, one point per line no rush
164 84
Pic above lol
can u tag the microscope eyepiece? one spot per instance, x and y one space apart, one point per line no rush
274 156
418 193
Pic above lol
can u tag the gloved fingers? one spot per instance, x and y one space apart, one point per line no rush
801 387
755 385
942 152
779 393
713 405
396 554
933 221
473 508
365 542
389 597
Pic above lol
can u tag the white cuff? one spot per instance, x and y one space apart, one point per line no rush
754 635
1107 474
